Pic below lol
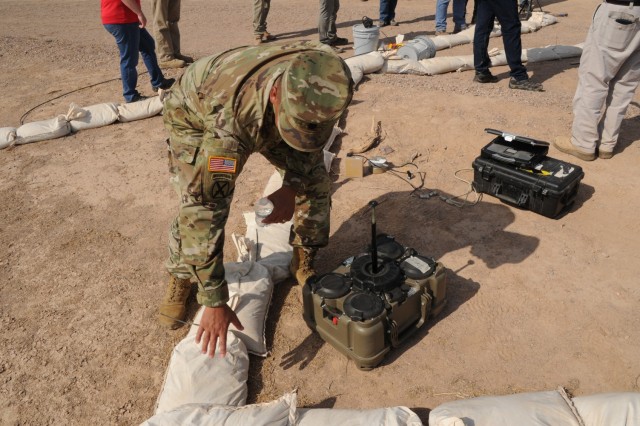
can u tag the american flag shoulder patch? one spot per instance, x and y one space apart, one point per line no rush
222 164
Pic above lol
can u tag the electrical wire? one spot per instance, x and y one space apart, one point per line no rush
68 93
460 204
390 169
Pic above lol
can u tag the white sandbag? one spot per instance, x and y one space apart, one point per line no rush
525 409
42 130
609 409
7 136
281 412
193 377
252 290
364 64
98 115
392 416
138 110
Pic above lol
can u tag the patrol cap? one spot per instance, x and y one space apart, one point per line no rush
316 88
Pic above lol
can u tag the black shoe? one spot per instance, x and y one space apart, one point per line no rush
383 24
485 78
137 97
525 84
393 23
339 41
166 83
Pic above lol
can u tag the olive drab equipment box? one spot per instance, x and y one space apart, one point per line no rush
364 311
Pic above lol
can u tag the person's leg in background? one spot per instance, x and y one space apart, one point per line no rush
441 16
148 53
128 39
163 31
459 15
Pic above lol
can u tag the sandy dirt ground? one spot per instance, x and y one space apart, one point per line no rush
534 303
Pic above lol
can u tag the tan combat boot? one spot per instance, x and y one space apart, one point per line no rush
174 303
301 266
172 63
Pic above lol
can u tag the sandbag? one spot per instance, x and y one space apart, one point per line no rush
525 409
92 116
193 377
392 416
364 64
138 110
42 130
609 409
281 412
7 136
250 291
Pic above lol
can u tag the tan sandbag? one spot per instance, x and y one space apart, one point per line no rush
525 409
609 409
364 64
42 130
7 136
281 412
392 416
138 110
98 115
193 377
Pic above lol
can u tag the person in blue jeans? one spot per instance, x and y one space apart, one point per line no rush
387 13
126 22
459 16
506 11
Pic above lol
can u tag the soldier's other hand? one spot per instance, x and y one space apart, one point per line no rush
213 329
284 203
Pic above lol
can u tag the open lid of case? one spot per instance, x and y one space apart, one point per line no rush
519 151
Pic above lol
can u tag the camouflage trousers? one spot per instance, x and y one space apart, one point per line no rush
204 166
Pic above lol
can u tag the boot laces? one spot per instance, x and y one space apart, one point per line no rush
180 290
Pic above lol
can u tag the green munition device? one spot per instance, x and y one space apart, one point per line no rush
376 300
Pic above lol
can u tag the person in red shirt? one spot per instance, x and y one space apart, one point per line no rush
125 20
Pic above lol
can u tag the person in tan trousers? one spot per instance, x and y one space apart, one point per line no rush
166 14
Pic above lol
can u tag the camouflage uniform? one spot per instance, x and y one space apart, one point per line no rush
217 114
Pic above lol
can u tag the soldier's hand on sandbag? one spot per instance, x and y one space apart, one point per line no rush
213 328
284 203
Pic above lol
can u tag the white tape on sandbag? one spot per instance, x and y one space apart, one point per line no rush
138 110
281 412
392 416
7 136
93 116
42 130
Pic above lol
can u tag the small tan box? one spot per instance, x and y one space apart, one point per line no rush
353 167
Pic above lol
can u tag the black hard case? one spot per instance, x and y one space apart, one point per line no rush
549 189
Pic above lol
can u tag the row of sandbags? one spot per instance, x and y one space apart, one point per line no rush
79 118
376 61
541 408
